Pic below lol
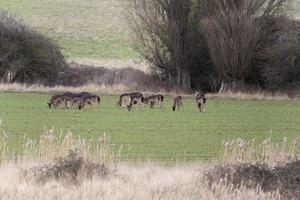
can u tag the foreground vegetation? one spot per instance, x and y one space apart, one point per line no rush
153 134
46 170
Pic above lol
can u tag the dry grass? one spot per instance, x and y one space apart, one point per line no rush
103 89
283 178
268 153
253 96
128 182
93 171
116 89
121 88
112 63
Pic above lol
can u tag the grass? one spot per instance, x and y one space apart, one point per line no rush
145 182
93 29
87 175
157 135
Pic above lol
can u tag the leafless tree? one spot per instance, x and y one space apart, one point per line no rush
280 68
234 33
168 37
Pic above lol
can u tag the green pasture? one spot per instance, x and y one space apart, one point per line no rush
154 134
94 29
84 29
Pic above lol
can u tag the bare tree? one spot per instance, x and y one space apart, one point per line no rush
234 33
280 68
168 37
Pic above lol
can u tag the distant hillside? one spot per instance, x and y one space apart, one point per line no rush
85 29
94 29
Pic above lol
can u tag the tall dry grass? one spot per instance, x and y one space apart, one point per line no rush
93 170
249 151
54 144
144 182
117 89
103 89
264 95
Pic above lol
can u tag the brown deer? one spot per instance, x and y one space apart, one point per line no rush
55 101
177 103
68 97
200 100
135 99
127 97
154 99
88 100
74 98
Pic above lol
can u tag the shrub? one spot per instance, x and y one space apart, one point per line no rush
283 177
71 169
280 60
26 55
79 75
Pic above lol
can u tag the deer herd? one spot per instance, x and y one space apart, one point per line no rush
83 99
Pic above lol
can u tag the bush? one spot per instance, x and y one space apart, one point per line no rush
79 75
280 60
71 169
283 178
26 55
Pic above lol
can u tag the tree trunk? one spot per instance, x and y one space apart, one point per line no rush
170 81
233 86
186 81
179 76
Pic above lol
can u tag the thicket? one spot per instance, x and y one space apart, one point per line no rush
212 45
27 56
207 45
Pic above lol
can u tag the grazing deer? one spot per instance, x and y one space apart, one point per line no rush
95 98
84 101
69 97
127 97
177 103
88 100
200 100
74 98
135 99
154 99
55 101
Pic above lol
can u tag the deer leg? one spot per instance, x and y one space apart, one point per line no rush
203 108
151 104
199 106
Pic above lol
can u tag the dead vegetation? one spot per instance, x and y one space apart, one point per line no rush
283 178
70 170
64 167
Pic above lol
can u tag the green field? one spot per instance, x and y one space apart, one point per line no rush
154 134
84 29
94 29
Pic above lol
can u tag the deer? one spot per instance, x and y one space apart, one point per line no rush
154 99
177 103
200 101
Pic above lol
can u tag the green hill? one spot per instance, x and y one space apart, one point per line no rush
84 29
93 29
